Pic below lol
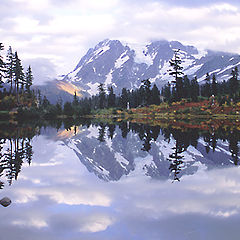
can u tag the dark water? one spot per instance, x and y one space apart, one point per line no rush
123 181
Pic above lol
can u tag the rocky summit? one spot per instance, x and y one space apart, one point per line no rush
124 65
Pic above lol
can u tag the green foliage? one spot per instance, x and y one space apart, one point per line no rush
102 96
111 98
176 72
68 109
28 79
28 113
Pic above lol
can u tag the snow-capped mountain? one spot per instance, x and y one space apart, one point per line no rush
119 156
124 65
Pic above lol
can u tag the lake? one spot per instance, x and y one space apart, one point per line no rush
115 181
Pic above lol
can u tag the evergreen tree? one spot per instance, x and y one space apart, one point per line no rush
155 95
214 85
111 98
147 91
18 74
59 106
9 67
68 109
166 92
176 72
75 100
45 103
233 82
102 95
2 66
207 86
186 87
124 98
194 89
29 79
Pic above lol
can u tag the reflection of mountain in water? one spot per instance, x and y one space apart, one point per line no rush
111 152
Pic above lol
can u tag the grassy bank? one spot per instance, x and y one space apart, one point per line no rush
183 110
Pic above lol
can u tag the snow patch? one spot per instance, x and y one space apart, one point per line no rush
193 69
186 63
102 50
121 60
108 80
121 160
141 53
215 71
93 132
163 71
140 165
98 53
93 88
73 75
194 151
228 67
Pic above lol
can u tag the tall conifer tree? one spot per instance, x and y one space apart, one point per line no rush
155 95
9 67
176 72
28 79
18 74
147 91
207 86
214 85
111 100
233 82
102 95
2 66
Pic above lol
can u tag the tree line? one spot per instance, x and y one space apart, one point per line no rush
175 90
19 84
182 87
15 83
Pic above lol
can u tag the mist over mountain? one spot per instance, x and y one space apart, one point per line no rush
124 65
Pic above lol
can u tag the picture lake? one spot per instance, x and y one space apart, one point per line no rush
114 181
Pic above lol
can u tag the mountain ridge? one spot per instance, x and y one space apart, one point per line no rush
125 65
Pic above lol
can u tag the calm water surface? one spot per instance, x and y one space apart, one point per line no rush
130 182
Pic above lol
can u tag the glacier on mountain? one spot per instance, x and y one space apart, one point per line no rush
125 65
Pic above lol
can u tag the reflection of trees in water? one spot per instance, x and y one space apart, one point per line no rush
12 159
111 130
14 150
146 134
231 135
233 145
183 139
211 139
101 132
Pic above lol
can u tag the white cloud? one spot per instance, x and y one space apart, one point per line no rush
63 31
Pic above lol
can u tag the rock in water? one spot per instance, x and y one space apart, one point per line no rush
5 201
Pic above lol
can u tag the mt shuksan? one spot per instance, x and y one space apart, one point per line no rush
125 65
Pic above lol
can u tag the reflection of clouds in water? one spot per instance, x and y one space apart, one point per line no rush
95 223
31 222
72 201
214 193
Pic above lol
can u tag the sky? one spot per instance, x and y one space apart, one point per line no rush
53 35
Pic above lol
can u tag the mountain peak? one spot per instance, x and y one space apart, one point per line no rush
122 65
